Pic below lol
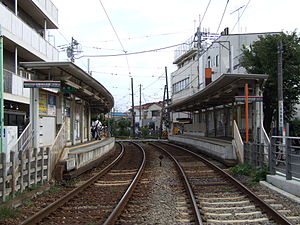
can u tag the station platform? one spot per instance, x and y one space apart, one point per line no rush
218 148
77 159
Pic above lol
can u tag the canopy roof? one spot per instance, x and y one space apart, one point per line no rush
89 89
219 92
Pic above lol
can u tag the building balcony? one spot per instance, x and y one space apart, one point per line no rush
48 9
13 86
16 31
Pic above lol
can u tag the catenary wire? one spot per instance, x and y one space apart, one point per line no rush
222 16
133 53
116 36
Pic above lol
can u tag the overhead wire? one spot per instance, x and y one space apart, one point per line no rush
133 53
205 11
146 36
222 16
116 36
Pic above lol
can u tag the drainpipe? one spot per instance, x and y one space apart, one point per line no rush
1 95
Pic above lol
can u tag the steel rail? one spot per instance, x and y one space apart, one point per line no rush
60 202
187 185
265 206
122 203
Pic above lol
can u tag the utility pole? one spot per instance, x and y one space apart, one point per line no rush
163 113
167 111
199 51
72 49
1 95
141 122
166 72
280 91
132 109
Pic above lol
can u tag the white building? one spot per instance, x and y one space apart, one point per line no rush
24 25
150 113
188 82
62 114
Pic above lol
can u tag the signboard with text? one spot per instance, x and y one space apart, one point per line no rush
250 98
41 84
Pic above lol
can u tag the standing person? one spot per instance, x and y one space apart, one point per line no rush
96 127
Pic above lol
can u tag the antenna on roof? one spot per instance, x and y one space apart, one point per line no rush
238 10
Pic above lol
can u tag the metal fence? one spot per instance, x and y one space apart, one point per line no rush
282 155
256 154
285 156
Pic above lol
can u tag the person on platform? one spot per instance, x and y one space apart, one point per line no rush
96 128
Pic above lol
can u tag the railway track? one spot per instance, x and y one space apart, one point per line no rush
93 201
161 196
220 197
173 186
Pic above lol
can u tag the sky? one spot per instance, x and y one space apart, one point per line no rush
116 27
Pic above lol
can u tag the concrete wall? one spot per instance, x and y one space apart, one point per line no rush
217 149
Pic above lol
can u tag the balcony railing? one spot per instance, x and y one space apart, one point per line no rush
21 33
48 7
13 84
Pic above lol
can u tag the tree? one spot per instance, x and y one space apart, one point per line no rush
261 58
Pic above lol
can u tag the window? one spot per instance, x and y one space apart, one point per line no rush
217 60
155 113
208 62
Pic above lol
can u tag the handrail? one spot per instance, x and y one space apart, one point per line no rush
266 137
238 142
57 146
24 140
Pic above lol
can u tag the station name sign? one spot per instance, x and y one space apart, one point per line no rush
42 84
250 98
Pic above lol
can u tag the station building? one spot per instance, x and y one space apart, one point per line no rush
24 26
209 91
47 103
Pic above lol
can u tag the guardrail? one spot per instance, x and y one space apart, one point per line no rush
284 156
22 170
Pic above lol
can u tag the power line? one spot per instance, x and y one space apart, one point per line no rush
133 53
117 74
146 36
116 36
162 76
223 16
205 11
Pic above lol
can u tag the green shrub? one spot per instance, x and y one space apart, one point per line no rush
8 212
255 173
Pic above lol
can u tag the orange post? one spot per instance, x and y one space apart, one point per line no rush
246 111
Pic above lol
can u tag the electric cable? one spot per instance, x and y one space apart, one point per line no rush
116 36
222 16
205 12
133 53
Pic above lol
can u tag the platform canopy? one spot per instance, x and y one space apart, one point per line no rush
220 92
83 85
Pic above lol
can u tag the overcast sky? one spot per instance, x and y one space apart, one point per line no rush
146 25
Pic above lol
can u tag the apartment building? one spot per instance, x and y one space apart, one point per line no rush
197 68
24 25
